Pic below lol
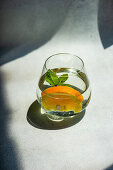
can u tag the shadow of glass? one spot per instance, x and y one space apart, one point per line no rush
105 22
8 155
33 24
41 121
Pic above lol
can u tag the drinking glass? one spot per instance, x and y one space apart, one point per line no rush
63 89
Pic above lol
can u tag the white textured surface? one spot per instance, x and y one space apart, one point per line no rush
89 144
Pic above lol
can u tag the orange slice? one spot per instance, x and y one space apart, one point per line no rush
62 98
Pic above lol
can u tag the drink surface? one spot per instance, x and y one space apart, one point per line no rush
63 100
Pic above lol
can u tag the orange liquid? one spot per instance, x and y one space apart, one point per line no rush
62 98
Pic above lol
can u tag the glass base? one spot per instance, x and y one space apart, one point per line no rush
58 115
37 118
52 117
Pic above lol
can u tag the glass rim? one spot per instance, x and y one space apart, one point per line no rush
74 55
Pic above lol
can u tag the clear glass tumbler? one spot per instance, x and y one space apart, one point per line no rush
63 89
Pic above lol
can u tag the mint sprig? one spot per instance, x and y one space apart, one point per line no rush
53 80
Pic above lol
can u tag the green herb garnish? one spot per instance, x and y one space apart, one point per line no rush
53 80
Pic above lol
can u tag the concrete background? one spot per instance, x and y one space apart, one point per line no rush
26 25
87 145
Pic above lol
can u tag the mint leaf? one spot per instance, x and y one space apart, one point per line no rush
54 77
63 78
49 79
53 80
